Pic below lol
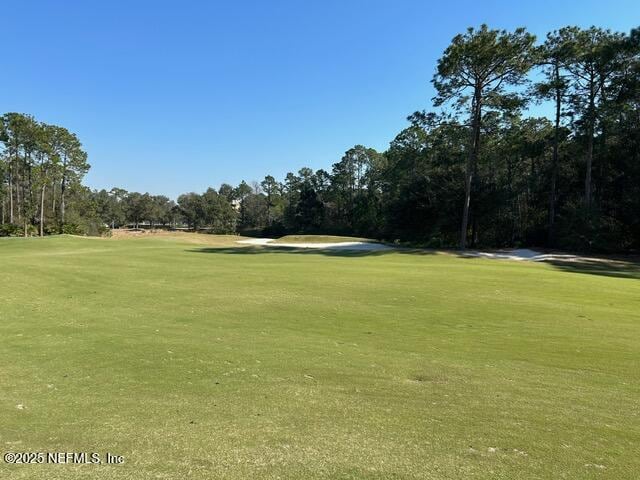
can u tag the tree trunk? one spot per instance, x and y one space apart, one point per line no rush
471 162
10 195
53 199
554 160
42 211
587 179
62 204
31 213
512 212
269 207
18 185
589 159
27 200
63 185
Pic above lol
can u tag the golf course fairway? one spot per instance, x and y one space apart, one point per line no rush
195 357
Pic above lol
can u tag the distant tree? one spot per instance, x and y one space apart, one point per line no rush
552 56
227 191
570 181
321 181
219 214
349 184
292 194
117 215
474 73
138 208
193 208
309 209
73 164
160 210
241 192
270 187
46 160
253 211
420 186
591 60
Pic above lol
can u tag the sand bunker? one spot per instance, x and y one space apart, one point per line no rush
359 246
526 254
522 254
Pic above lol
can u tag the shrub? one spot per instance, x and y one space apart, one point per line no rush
10 230
72 229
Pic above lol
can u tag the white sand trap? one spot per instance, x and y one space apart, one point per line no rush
521 254
358 246
256 241
516 254
527 254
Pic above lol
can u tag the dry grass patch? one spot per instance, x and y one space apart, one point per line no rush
182 236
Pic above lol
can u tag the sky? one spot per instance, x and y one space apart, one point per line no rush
172 97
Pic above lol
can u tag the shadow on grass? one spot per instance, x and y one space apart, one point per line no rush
347 251
603 267
619 268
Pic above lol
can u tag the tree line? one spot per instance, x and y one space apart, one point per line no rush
476 170
41 168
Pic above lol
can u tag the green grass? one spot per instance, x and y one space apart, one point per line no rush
197 360
319 239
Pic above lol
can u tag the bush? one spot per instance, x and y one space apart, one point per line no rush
10 230
591 231
72 229
51 229
277 229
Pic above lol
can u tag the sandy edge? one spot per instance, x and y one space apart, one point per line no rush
368 246
518 254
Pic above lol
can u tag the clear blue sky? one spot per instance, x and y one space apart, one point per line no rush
170 97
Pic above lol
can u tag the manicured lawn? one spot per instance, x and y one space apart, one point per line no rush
202 361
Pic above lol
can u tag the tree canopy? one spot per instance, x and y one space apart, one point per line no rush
475 169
